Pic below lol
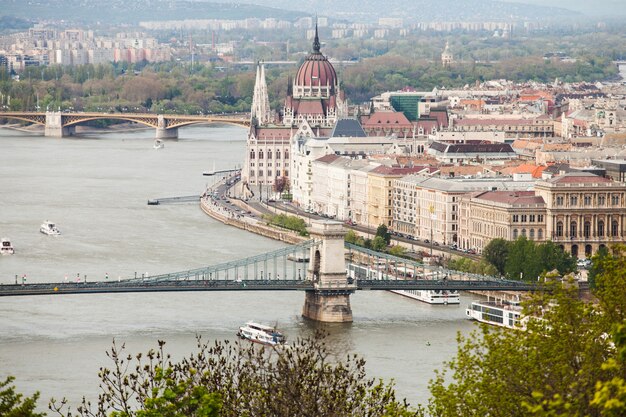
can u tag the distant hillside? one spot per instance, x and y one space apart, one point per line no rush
133 11
423 10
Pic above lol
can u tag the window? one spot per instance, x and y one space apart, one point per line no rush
260 173
269 154
573 200
277 154
531 218
532 234
600 228
269 173
587 229
615 199
514 233
524 218
260 154
251 154
286 173
540 234
573 229
587 200
524 232
601 200
286 154
515 218
540 218
559 200
559 229
252 173
614 229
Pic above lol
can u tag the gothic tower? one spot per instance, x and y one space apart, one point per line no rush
260 113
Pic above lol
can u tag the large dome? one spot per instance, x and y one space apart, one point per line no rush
316 71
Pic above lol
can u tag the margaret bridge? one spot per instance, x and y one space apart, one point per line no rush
325 268
60 124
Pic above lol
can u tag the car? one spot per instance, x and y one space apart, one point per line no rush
426 241
436 243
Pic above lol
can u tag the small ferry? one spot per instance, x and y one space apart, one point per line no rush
6 248
260 333
49 228
444 297
499 313
158 144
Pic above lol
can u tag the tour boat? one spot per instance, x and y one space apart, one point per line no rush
444 297
260 333
49 228
158 144
499 313
6 248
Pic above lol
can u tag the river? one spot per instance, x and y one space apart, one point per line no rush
95 188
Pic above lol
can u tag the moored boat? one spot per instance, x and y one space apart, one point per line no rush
158 144
499 313
444 297
49 228
260 333
6 248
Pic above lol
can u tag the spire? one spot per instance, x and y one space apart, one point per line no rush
316 40
260 100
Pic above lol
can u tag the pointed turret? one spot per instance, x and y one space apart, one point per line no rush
260 111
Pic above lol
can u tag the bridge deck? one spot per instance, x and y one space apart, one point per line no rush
127 286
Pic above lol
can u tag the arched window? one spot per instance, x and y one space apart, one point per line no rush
614 229
539 234
277 154
514 234
559 229
269 154
573 229
260 154
587 229
251 154
286 154
600 228
524 232
532 234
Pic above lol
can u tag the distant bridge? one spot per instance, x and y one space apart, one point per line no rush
317 266
61 124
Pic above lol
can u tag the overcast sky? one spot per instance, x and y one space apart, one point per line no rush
590 7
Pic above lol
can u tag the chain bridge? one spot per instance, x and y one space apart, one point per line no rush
60 124
325 267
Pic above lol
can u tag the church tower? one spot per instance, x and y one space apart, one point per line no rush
446 56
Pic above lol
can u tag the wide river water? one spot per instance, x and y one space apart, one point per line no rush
95 188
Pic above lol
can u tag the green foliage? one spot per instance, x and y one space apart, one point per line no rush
549 370
378 244
474 267
242 379
397 250
597 265
383 232
496 253
294 223
13 404
526 259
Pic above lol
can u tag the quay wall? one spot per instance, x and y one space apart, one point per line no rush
250 225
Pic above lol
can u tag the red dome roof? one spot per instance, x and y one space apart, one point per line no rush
316 71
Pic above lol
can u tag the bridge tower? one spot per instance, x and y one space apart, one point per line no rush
54 125
330 300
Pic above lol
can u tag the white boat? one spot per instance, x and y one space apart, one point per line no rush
499 313
6 248
444 297
49 228
261 333
158 144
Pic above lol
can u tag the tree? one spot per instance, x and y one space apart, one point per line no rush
397 250
522 262
551 369
13 404
240 379
383 232
378 244
496 253
351 237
